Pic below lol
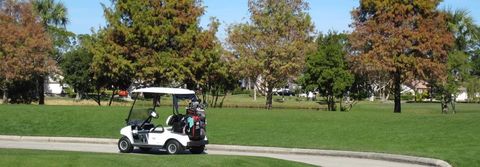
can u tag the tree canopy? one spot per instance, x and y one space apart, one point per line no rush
152 41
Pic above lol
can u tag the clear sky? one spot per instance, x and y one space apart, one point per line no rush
326 14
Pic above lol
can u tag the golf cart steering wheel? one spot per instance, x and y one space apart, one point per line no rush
152 114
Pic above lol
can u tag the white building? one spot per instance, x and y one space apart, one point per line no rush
52 85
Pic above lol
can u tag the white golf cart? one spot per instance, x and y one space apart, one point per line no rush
181 132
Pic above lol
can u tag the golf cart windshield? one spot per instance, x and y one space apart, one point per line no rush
148 99
142 109
138 116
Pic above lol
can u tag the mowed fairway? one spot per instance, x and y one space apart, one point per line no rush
420 130
34 158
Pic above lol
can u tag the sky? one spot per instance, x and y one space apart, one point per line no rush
326 14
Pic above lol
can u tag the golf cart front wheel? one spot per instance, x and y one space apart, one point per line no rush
173 147
124 145
197 149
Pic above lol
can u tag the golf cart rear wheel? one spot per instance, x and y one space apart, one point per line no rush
173 147
197 149
124 145
145 149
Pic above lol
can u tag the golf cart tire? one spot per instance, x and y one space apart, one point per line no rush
124 145
145 149
173 147
197 149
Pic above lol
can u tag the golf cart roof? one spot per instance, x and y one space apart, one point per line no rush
162 90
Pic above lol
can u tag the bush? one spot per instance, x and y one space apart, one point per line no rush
238 91
70 92
22 92
407 96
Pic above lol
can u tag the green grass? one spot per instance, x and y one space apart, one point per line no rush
420 130
33 158
232 101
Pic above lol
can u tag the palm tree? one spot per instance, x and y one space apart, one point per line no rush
461 23
53 15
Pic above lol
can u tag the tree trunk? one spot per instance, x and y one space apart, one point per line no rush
397 81
216 99
99 97
329 106
331 103
5 96
444 104
78 97
341 107
431 93
204 96
41 90
415 91
383 95
268 104
223 98
213 94
452 103
111 97
254 92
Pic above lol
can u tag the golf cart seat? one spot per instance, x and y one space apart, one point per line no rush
157 129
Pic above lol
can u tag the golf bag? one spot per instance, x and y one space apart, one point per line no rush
195 126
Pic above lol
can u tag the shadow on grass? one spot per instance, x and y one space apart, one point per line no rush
161 151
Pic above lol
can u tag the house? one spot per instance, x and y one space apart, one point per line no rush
462 95
52 85
416 86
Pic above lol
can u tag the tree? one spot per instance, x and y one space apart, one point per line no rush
211 66
327 70
154 38
111 70
76 68
275 42
24 48
458 69
243 49
54 18
464 29
404 39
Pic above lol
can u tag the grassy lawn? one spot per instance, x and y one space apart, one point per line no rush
33 158
420 130
233 101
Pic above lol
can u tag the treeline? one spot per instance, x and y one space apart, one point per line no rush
160 43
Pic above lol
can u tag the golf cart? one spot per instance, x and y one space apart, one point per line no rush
181 131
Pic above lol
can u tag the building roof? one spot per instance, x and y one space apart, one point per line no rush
418 84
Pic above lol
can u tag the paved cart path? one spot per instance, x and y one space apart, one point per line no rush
326 161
